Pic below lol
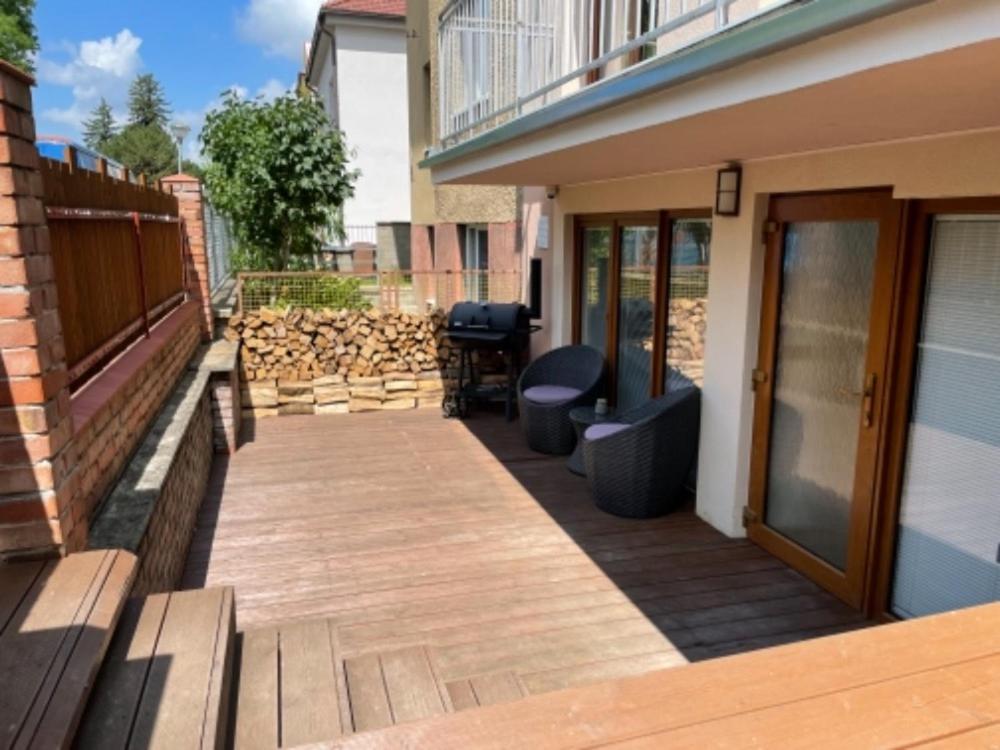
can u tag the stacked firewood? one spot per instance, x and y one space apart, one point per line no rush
297 344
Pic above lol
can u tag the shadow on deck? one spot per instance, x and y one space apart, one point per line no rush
404 529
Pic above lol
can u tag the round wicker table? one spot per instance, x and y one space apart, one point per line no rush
583 417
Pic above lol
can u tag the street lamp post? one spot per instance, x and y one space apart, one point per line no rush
180 131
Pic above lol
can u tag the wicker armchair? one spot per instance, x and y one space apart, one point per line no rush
637 465
551 387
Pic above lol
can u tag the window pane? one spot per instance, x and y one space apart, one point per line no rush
594 288
636 315
948 553
688 309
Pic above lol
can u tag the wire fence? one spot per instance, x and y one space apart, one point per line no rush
406 291
219 246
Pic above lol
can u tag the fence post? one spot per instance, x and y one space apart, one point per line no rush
191 206
141 266
38 468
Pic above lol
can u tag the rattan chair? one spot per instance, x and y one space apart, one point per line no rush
637 465
563 379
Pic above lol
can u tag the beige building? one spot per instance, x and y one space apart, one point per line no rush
471 228
796 203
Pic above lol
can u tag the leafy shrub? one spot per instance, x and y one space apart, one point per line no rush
315 292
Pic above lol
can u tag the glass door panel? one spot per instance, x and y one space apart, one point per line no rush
948 548
595 287
687 315
636 315
827 277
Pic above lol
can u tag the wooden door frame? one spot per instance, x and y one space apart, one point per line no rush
877 204
910 303
615 221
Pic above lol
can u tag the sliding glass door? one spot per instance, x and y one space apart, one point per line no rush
631 270
948 543
636 313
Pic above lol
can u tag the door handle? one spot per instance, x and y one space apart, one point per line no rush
868 402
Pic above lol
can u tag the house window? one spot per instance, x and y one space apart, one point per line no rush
641 299
476 261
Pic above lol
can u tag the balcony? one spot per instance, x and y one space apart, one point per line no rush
500 59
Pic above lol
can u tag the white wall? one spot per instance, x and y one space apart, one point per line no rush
373 113
952 166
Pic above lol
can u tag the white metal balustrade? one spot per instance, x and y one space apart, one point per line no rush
498 59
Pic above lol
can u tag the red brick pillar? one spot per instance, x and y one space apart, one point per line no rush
37 459
190 198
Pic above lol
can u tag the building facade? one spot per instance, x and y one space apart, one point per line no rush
357 66
488 231
797 204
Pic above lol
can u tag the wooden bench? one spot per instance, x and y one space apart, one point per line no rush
56 621
166 678
933 681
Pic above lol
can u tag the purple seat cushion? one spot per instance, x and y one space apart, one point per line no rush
550 394
598 431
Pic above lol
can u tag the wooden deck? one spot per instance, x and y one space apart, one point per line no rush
403 530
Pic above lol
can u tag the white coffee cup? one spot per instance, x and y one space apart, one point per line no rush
601 407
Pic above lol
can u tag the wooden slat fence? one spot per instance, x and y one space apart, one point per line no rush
118 252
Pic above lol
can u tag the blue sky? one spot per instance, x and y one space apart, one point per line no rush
196 48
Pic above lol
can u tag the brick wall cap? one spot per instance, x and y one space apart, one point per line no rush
181 178
12 70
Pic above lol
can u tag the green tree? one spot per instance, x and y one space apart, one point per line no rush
147 104
279 170
144 149
100 128
18 40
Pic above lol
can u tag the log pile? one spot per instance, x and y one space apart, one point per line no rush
686 345
299 344
300 361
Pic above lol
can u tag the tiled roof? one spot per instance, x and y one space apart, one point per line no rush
368 7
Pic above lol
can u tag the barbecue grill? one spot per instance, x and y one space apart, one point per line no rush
474 326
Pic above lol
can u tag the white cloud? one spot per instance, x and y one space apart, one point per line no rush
272 90
94 69
281 27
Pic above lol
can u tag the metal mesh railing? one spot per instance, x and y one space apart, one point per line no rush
218 246
407 291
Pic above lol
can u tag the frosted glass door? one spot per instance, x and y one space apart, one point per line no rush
948 549
827 280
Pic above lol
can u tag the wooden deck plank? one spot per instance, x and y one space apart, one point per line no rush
462 695
902 684
309 696
367 691
15 583
406 530
501 687
118 691
412 685
180 703
256 725
54 642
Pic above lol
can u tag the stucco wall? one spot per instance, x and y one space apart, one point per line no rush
373 59
953 166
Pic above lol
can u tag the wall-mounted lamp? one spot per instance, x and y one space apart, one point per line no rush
727 191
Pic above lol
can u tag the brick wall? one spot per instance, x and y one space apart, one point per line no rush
126 398
190 199
165 544
37 454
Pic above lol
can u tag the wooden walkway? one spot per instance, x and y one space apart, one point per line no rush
407 531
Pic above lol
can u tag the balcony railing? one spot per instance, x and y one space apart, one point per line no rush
499 59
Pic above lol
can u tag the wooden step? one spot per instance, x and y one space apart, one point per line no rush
486 690
294 687
166 680
56 621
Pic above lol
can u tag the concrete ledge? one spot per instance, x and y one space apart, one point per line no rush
156 486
